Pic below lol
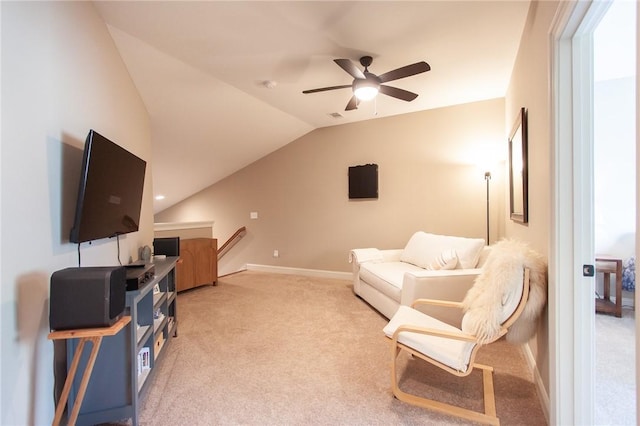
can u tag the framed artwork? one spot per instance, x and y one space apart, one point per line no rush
518 170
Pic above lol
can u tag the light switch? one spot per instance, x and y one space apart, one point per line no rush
253 215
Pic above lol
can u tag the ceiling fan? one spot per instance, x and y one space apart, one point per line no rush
366 85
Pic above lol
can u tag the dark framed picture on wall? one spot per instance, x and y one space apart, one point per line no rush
519 169
363 182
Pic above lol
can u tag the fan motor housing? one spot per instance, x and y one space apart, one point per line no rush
365 61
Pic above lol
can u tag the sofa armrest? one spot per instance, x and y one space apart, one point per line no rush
363 255
392 255
450 285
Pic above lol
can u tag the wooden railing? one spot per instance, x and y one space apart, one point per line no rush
237 236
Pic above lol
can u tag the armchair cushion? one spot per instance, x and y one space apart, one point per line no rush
454 353
423 248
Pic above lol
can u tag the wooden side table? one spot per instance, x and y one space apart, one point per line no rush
608 266
93 335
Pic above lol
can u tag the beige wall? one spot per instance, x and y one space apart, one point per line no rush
61 76
529 87
428 180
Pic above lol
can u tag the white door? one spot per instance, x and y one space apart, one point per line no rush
614 202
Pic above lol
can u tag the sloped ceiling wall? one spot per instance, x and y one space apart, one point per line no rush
200 68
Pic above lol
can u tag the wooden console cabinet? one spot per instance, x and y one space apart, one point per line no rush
198 263
128 359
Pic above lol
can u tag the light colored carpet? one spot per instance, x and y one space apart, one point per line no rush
271 349
615 369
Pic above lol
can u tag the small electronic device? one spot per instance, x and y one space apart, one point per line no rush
139 275
168 246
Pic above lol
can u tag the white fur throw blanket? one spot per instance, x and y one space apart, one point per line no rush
500 282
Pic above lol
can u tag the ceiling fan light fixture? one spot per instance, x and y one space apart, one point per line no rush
365 90
366 85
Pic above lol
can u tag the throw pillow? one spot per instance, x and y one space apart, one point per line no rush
448 259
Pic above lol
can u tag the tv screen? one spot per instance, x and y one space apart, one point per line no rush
363 181
110 191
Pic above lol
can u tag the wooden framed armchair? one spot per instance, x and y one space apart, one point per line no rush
487 318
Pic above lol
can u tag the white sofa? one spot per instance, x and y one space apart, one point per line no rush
430 266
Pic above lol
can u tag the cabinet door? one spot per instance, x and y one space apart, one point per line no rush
199 263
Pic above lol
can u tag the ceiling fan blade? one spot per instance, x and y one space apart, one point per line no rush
349 67
405 71
324 89
398 93
353 104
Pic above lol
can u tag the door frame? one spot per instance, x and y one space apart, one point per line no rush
568 364
571 296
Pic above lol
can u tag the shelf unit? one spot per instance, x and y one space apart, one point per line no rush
127 360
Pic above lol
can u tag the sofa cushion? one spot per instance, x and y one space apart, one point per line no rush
386 277
423 248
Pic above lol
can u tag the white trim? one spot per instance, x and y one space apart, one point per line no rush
300 271
571 301
583 220
537 379
242 269
170 226
560 322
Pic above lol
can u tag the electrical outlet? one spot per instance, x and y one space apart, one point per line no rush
276 253
253 215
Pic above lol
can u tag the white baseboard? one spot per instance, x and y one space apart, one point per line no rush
300 271
227 273
537 380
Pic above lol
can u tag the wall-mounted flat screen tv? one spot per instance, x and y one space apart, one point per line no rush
363 181
110 191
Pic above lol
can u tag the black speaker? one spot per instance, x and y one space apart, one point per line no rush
87 297
169 246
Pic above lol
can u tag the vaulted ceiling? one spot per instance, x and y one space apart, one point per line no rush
223 80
